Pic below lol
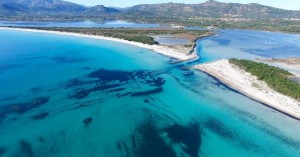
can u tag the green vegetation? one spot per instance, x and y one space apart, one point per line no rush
132 34
274 25
280 25
275 77
138 38
129 35
208 14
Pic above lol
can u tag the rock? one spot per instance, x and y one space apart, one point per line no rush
40 116
41 139
146 101
3 150
38 102
26 148
87 121
80 94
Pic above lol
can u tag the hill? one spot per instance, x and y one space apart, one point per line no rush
213 9
208 14
45 8
39 6
208 9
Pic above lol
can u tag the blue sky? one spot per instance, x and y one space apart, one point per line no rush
286 4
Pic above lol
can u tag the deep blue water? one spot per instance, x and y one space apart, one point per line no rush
248 44
70 96
85 24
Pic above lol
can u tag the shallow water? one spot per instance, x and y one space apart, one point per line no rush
72 96
248 44
85 24
89 24
170 40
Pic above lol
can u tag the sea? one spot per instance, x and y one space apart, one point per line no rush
67 96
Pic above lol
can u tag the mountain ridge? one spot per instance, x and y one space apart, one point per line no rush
215 9
48 6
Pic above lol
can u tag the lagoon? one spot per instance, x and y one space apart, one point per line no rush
248 44
71 96
170 40
81 24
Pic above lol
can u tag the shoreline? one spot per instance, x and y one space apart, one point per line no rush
160 49
262 30
290 64
246 84
200 38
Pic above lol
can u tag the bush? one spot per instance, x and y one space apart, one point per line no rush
275 77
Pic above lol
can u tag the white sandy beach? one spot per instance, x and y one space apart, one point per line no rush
163 50
249 85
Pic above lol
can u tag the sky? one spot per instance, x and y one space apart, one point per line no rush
284 4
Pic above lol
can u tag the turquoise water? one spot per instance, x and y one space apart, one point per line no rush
70 96
248 44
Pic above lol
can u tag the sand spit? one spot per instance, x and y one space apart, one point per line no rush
250 86
161 49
